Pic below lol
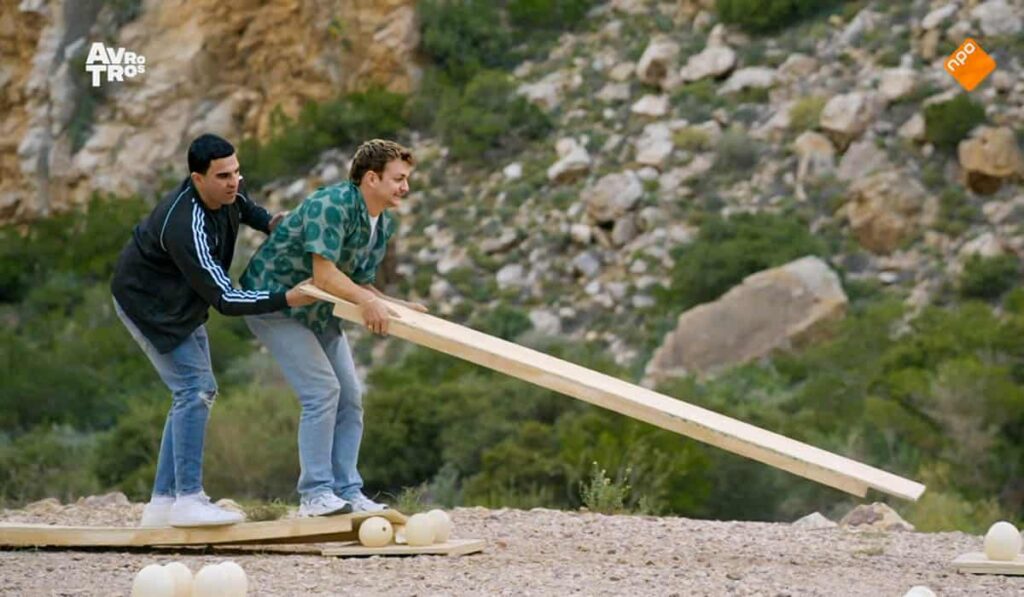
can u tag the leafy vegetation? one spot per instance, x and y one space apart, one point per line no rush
947 123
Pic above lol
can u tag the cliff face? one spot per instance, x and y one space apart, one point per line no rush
210 66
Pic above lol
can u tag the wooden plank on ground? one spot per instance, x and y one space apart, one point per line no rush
452 547
352 534
302 530
978 563
634 401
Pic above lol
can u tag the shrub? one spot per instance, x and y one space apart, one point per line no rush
47 462
727 251
736 151
488 119
601 494
463 37
691 139
987 278
762 16
947 123
295 143
547 14
806 113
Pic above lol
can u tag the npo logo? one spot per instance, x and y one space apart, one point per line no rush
970 64
118 63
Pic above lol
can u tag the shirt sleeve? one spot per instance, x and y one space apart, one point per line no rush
189 248
252 214
323 223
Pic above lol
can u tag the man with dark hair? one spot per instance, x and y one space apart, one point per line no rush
172 269
338 236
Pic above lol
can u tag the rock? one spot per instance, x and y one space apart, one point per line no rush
913 128
513 171
624 231
441 290
549 92
614 92
986 245
773 309
587 264
654 146
700 164
815 522
874 517
580 233
505 241
573 163
545 322
752 77
897 83
997 17
848 115
653 106
938 16
106 500
797 66
43 507
862 158
453 259
714 62
990 157
622 72
510 276
613 195
658 61
815 156
886 209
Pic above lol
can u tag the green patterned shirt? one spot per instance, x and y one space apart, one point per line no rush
332 222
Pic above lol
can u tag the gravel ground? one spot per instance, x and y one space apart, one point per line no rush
540 552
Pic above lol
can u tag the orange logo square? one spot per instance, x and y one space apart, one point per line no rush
970 64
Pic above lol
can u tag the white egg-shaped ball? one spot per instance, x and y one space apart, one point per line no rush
419 530
153 581
442 525
1002 542
182 579
376 531
919 591
237 579
211 581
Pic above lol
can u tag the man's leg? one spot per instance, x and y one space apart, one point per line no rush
307 369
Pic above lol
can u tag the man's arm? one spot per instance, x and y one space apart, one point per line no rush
408 304
327 277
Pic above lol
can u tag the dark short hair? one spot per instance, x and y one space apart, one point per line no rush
374 155
206 148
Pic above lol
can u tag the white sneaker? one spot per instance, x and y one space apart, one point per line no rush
324 504
157 512
196 511
361 503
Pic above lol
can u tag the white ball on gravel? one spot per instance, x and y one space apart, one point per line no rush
442 525
419 530
919 591
153 581
211 581
375 531
182 579
238 582
1002 542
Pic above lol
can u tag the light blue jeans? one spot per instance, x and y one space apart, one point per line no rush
188 373
320 369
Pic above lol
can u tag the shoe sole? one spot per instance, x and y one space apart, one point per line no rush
346 509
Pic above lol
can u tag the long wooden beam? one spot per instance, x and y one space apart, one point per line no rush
634 401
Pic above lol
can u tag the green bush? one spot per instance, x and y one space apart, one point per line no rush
557 15
126 455
463 37
295 143
763 16
726 251
488 119
947 123
806 113
736 151
47 462
987 278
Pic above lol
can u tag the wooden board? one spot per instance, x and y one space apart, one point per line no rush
301 530
634 401
978 563
452 547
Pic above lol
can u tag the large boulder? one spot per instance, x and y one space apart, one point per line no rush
713 61
613 195
997 17
886 209
848 115
573 161
774 309
658 61
874 517
990 157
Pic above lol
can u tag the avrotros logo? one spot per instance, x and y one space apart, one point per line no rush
117 63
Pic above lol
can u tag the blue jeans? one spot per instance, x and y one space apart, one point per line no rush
188 373
320 369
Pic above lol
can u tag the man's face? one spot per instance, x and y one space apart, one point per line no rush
392 185
220 183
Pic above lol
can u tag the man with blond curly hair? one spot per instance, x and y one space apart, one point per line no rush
337 236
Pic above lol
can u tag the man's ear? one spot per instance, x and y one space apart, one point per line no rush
371 177
196 177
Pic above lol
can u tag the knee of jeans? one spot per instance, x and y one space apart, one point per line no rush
207 394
